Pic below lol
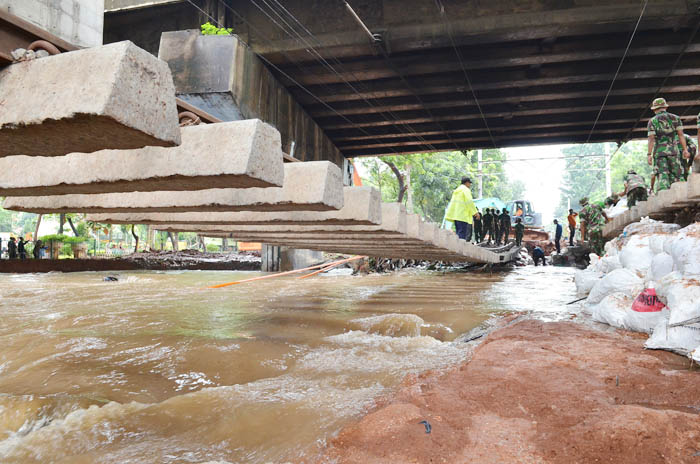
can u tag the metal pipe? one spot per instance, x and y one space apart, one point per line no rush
373 37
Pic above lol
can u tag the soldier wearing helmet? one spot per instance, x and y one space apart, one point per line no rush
664 131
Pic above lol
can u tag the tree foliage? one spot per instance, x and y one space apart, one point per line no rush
585 175
433 177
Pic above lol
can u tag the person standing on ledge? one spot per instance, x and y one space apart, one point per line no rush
505 225
478 229
572 226
664 131
557 236
12 249
488 225
519 231
462 209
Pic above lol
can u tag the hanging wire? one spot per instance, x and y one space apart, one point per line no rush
617 72
441 10
291 79
312 50
359 82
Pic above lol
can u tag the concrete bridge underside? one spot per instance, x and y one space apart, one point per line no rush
539 69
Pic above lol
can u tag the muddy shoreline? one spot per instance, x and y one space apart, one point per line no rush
537 392
187 260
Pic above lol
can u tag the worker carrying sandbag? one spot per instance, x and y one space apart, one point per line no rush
461 210
635 188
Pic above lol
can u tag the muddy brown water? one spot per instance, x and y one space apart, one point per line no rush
154 369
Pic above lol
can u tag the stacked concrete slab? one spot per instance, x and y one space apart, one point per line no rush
239 154
660 206
96 131
396 235
313 186
115 96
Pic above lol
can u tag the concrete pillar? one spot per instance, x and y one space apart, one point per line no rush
270 258
292 258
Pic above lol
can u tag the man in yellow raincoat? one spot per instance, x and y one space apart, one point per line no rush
461 210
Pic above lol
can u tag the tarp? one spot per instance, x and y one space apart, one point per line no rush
490 202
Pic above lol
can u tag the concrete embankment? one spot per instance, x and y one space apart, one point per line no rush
538 392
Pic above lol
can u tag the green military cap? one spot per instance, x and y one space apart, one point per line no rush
659 103
583 201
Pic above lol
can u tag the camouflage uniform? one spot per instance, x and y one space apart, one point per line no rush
693 150
592 215
667 157
636 189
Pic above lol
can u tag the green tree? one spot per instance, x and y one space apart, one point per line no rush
433 177
585 172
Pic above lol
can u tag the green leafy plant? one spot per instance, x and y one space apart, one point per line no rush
63 239
209 29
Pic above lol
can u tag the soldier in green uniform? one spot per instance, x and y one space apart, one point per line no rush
692 150
594 218
504 219
664 131
519 231
496 226
488 224
635 188
612 200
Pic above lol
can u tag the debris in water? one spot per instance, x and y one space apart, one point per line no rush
428 428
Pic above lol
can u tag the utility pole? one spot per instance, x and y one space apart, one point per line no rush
480 172
608 180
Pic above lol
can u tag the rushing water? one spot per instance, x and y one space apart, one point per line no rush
155 369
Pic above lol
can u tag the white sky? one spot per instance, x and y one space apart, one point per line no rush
542 177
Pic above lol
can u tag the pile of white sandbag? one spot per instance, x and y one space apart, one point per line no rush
648 281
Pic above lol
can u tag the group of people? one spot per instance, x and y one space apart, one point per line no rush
17 249
672 155
469 221
492 223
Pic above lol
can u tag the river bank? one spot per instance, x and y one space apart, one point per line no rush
186 260
538 392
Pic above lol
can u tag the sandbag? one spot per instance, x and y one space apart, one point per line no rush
682 297
606 264
611 310
685 250
649 226
636 255
585 280
682 339
645 312
618 281
657 242
661 265
612 247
